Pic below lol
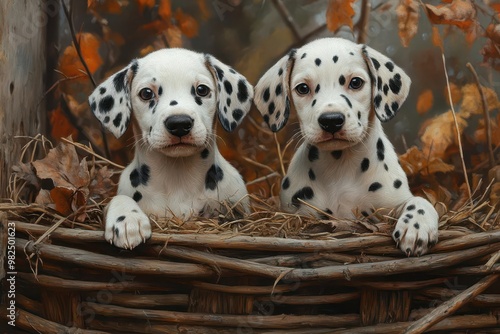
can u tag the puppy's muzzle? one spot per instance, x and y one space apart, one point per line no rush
331 122
179 125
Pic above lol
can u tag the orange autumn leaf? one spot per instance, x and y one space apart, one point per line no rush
105 6
416 162
165 9
436 37
439 134
338 14
61 126
145 3
70 63
408 13
425 101
491 50
456 94
472 102
187 24
459 13
174 36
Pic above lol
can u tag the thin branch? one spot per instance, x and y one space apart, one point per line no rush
287 17
363 21
486 115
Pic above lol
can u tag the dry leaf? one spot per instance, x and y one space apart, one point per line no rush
165 10
187 24
425 101
105 6
459 13
26 173
436 37
101 186
456 94
338 14
174 37
439 134
415 162
471 101
145 3
61 126
70 63
491 50
408 13
64 177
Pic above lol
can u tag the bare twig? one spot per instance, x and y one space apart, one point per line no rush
287 17
451 306
457 128
486 115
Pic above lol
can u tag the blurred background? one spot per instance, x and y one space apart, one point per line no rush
251 35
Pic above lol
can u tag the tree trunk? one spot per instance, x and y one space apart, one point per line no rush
23 26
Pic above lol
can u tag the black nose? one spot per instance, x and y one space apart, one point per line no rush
331 122
179 125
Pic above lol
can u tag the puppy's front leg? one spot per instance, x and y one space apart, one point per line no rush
417 228
126 224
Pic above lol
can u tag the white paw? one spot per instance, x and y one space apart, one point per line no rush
127 225
417 228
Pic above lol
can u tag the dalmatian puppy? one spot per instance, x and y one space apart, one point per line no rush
171 97
341 92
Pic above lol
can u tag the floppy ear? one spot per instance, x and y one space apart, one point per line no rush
110 101
272 92
390 84
234 93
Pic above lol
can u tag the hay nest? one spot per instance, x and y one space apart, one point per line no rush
269 272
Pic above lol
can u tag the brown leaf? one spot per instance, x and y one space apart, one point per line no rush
425 101
415 162
338 14
408 13
491 50
70 64
145 3
105 6
174 36
60 124
101 185
471 101
439 134
165 10
456 94
436 37
65 177
26 173
187 24
459 13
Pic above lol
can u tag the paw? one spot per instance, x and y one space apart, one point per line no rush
126 224
417 228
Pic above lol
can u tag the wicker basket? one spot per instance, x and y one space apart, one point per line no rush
70 280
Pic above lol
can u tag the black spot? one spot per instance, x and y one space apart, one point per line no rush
416 225
330 212
93 106
390 66
205 153
380 149
410 207
160 90
397 234
347 100
198 100
220 72
395 83
311 174
397 184
374 186
421 212
151 104
106 104
145 174
387 110
242 91
342 80
214 175
313 103
377 101
409 216
266 95
379 83
225 123
228 87
313 153
118 119
303 55
365 164
286 183
271 108
278 114
386 167
317 89
317 61
335 59
228 102
106 120
237 114
121 100
376 64
266 118
137 196
120 219
337 154
280 72
119 80
278 89
303 194
386 89
359 115
140 176
117 232
173 103
233 126
364 213
135 66
394 106
406 220
102 90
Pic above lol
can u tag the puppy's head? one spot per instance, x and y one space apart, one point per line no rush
334 85
174 95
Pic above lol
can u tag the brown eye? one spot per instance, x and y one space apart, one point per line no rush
356 83
202 90
302 89
146 94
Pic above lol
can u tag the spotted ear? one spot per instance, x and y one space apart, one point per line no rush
234 93
272 93
390 83
110 101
